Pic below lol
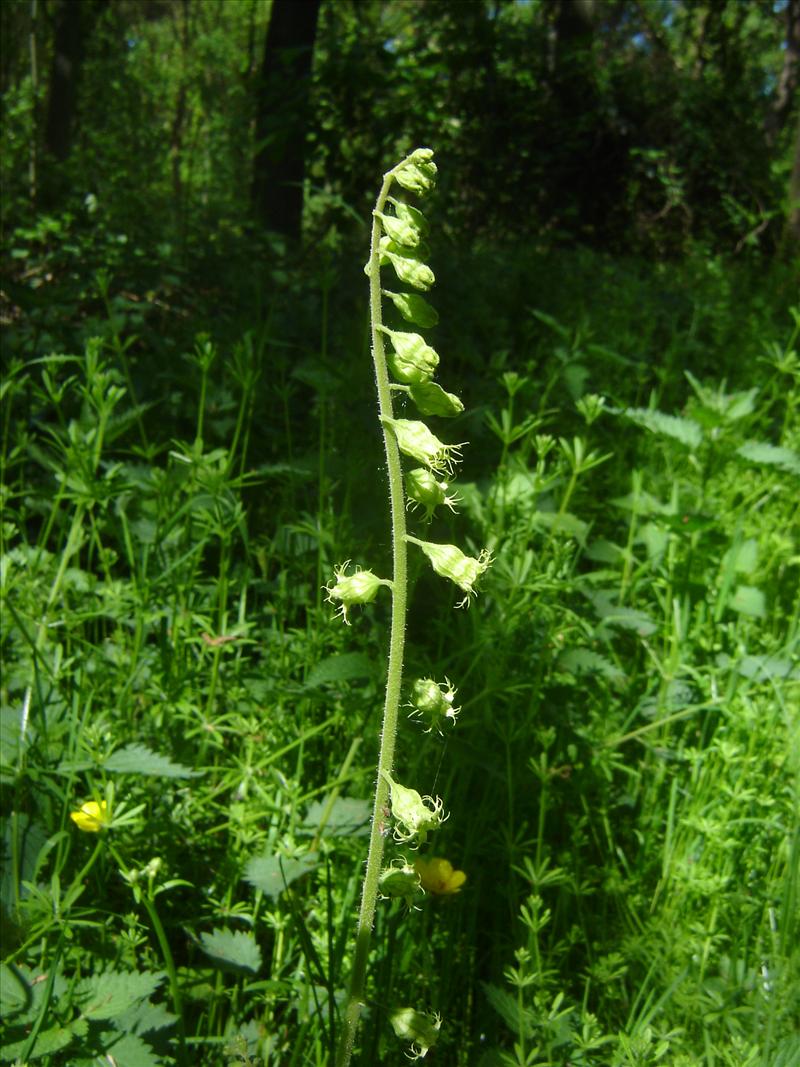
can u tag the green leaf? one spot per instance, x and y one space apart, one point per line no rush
348 817
139 759
108 995
48 1042
272 873
129 1050
14 992
687 431
233 948
586 661
341 668
414 308
748 600
773 455
517 1018
625 618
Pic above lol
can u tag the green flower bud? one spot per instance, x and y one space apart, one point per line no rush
422 487
411 215
358 588
433 703
413 361
450 562
399 230
417 173
400 881
421 1030
414 816
408 266
414 308
416 440
431 399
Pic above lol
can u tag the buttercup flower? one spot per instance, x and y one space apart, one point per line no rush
91 816
437 876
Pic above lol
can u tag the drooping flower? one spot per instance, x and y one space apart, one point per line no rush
401 881
91 817
424 488
420 1029
358 588
438 876
450 562
414 439
415 816
433 703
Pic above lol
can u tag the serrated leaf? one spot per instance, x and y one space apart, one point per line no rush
348 816
518 1019
341 668
139 759
742 557
687 431
414 308
773 455
47 1043
273 873
130 1050
625 618
586 661
764 667
233 948
145 1017
108 995
14 992
748 600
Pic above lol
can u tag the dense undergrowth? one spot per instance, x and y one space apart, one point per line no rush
178 482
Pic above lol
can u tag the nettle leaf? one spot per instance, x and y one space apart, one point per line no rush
109 995
517 1018
625 618
586 661
687 431
48 1042
272 873
129 1050
341 668
773 455
15 994
748 600
139 759
414 308
233 948
347 817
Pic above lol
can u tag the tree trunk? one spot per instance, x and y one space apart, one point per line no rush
65 75
283 92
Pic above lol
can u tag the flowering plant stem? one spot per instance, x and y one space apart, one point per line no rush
369 892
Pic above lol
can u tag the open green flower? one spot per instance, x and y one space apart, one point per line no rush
414 439
433 703
415 816
450 562
358 588
420 1029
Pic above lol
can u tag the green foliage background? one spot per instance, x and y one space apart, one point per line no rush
189 446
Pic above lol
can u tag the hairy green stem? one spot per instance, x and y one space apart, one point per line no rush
369 895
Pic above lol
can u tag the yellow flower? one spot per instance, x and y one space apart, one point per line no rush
437 875
91 816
